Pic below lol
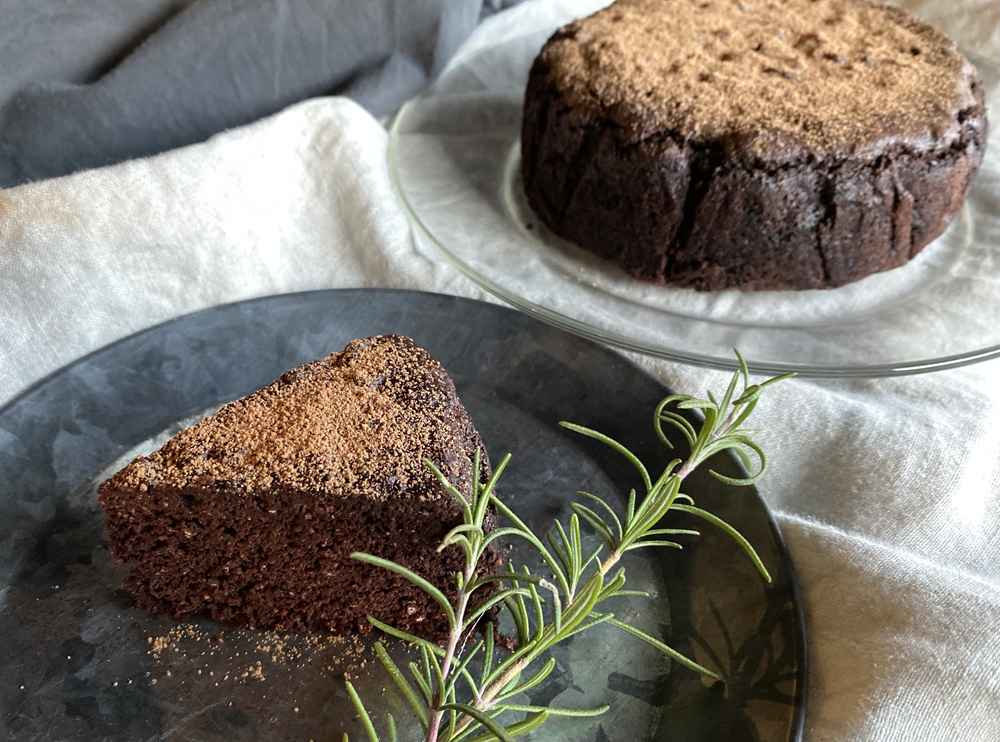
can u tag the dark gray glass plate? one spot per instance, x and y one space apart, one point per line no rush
75 660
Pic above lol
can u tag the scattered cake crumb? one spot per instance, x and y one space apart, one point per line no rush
254 672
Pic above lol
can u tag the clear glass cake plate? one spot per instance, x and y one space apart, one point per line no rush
454 158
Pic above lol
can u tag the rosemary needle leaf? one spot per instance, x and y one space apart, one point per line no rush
666 649
536 603
463 665
518 598
557 711
607 508
673 532
499 597
561 547
744 414
401 683
438 675
527 579
404 635
490 648
595 521
474 687
738 537
391 724
658 427
413 578
428 674
524 532
743 456
450 488
520 728
750 394
498 533
777 379
471 711
520 617
644 544
679 422
611 442
537 679
421 682
484 502
736 444
593 557
601 618
476 478
556 603
456 531
617 583
473 726
744 369
728 396
660 415
735 481
697 404
362 712
576 543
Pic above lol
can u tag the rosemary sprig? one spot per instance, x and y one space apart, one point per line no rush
571 598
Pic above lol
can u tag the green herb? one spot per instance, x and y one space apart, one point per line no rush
571 598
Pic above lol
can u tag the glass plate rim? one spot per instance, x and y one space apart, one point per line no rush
662 351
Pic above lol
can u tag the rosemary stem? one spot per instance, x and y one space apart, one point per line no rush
454 637
485 702
494 690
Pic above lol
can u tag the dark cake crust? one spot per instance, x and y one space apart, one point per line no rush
250 516
727 200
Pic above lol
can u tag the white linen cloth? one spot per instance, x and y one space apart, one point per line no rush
888 491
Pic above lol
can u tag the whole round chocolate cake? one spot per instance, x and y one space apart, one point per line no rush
751 143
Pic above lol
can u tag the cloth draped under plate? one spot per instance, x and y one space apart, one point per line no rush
87 83
888 491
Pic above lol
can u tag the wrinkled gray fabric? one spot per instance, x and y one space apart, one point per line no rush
85 83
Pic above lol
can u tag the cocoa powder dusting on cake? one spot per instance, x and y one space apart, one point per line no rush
751 144
326 428
825 74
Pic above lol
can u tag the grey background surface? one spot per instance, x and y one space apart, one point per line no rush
85 83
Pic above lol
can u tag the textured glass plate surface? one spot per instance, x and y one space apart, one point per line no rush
454 156
75 662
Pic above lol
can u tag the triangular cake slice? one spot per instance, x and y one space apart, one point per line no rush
250 515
